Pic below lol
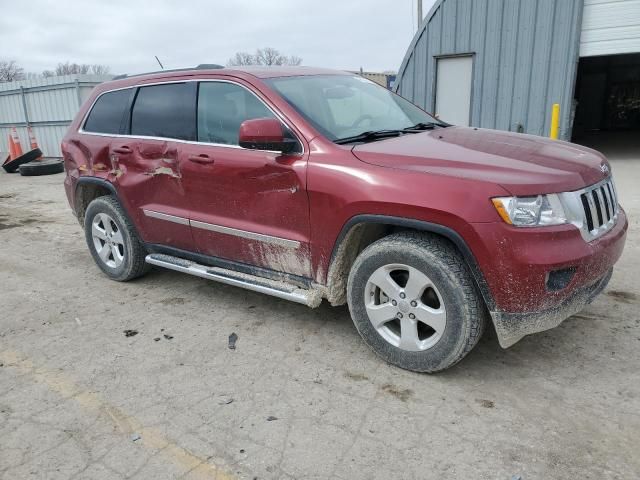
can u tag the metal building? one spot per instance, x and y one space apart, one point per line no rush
48 105
503 64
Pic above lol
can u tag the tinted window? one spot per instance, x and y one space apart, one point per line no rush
222 107
165 111
106 115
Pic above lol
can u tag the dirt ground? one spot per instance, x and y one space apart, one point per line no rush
301 396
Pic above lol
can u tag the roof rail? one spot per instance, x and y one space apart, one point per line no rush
202 66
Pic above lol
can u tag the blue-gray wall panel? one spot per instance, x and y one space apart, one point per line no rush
51 105
508 52
478 33
525 59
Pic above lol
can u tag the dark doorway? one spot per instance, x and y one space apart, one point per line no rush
607 95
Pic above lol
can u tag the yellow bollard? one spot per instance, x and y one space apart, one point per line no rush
555 122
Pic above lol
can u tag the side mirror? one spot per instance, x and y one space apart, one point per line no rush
265 134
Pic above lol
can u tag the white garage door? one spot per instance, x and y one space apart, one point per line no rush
453 89
610 27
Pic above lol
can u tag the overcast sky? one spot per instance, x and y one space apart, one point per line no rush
126 34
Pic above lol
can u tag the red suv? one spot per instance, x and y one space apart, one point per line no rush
310 184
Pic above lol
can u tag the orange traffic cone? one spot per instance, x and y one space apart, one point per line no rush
15 140
12 149
32 140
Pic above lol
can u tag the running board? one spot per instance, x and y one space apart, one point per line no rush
286 291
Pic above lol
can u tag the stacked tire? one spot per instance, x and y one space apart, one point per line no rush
30 164
42 167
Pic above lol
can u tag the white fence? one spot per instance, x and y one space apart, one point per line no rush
48 105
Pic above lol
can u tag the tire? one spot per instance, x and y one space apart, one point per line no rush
123 259
42 167
12 166
443 315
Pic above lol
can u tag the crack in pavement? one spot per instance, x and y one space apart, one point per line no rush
92 404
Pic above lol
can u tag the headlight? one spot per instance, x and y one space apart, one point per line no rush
535 211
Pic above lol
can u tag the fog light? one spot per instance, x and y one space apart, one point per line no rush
559 279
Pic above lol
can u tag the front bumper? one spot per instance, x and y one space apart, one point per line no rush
518 263
512 327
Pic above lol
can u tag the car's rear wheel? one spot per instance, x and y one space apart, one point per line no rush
112 240
413 300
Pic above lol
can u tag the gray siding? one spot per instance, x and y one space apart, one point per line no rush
48 105
525 59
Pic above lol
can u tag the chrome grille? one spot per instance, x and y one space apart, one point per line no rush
600 208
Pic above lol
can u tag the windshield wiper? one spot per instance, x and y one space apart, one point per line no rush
379 134
424 126
369 135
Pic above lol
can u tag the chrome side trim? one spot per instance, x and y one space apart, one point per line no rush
250 282
166 216
284 242
260 237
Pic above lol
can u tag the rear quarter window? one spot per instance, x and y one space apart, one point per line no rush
107 114
167 111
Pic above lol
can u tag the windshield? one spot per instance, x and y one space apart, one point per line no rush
344 106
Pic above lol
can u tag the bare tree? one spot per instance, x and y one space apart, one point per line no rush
294 60
241 58
69 68
264 56
100 69
269 56
10 71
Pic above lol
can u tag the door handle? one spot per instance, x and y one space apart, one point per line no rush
123 150
201 159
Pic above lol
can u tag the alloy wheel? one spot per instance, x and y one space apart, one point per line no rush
107 240
405 307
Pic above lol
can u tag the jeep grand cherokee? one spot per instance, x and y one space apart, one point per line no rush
310 184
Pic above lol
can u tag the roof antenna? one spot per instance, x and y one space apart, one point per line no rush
159 63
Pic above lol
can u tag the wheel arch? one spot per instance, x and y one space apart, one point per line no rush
361 230
88 189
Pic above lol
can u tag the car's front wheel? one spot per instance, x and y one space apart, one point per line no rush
112 240
413 300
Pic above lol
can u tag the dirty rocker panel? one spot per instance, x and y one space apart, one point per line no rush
309 297
231 265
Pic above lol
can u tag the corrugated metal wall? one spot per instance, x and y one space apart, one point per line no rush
610 27
47 104
525 59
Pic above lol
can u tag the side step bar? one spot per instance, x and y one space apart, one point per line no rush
311 297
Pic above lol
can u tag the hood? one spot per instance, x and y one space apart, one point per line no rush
522 164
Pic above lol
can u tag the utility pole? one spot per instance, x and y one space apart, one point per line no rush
419 13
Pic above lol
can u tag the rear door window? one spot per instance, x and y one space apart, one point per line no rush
166 111
222 107
108 113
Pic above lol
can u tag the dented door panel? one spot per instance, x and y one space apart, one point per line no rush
151 179
249 206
